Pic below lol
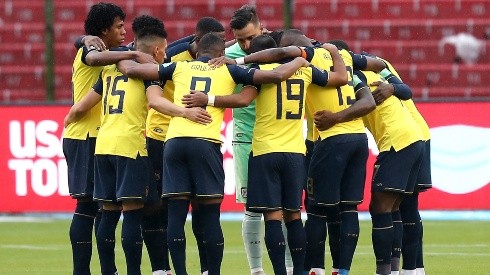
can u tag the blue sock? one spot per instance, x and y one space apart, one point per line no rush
333 225
154 237
276 245
106 241
213 237
198 230
297 245
349 235
343 271
177 214
411 231
382 238
132 240
397 241
316 234
163 216
81 228
420 250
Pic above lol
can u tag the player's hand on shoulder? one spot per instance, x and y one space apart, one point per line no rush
143 58
94 42
220 61
195 99
325 120
198 114
382 91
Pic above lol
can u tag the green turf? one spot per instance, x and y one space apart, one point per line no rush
461 247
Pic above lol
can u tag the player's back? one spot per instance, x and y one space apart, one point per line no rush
157 123
124 111
198 75
390 123
83 78
280 112
334 99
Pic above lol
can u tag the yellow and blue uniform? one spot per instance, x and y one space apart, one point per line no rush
79 137
121 157
276 163
398 137
337 169
192 157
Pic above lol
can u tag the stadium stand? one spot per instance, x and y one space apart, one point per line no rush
408 33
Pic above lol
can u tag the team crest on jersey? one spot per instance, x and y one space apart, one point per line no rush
243 192
157 130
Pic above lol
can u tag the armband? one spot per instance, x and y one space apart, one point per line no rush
211 99
240 60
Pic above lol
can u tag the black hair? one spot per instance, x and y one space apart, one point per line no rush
243 16
340 44
210 43
151 31
207 25
262 42
294 37
101 17
145 21
277 36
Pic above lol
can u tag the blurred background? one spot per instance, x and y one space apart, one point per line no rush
439 47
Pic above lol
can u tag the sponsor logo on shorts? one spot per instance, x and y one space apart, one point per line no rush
243 192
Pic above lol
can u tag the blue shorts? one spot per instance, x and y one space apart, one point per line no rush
193 167
79 156
424 179
275 182
397 171
155 156
337 171
121 178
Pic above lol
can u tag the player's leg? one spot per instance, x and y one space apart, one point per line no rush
292 175
178 190
351 195
411 231
198 219
105 191
132 193
207 169
252 224
154 224
79 156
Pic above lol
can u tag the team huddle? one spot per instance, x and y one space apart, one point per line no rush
143 139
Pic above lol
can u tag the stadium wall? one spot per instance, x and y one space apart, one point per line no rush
34 174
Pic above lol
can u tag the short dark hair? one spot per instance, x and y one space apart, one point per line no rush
210 43
340 44
101 17
262 42
145 21
243 16
152 31
277 36
209 24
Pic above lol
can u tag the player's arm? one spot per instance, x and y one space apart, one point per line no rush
156 101
338 76
239 100
96 58
186 39
367 63
80 109
364 104
134 69
394 87
264 56
280 73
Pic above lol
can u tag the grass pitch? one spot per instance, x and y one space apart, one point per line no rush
42 247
